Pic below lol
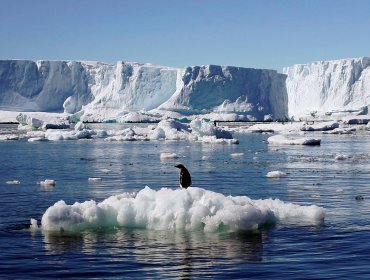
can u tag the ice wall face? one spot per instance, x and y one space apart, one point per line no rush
327 86
226 89
125 87
42 85
99 91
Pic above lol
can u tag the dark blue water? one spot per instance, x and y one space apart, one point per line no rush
338 249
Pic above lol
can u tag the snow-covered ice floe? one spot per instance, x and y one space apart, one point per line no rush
283 140
168 209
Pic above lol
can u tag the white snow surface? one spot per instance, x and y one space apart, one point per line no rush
328 87
168 209
96 91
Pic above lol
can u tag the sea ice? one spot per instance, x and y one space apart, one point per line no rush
237 154
168 209
282 140
320 126
8 137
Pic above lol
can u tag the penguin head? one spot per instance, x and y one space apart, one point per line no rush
180 166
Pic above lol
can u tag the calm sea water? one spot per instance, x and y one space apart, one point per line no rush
338 249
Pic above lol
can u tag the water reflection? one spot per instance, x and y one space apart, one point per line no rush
174 252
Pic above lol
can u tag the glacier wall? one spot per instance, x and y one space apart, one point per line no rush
226 89
326 87
42 85
100 91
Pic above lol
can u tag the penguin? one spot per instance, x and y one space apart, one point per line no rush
185 178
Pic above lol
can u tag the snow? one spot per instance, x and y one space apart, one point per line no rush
167 209
283 140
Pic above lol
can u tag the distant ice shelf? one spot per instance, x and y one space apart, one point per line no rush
136 92
96 91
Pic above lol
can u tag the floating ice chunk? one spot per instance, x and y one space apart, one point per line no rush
58 135
34 225
341 131
168 156
35 134
95 180
273 127
275 174
80 126
205 157
127 134
215 140
237 154
356 119
169 130
26 120
282 140
202 128
139 117
47 183
13 182
105 170
321 126
167 209
37 139
342 157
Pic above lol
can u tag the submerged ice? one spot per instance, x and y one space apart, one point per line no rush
168 209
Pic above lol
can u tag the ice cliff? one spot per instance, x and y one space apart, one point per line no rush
99 91
96 91
328 87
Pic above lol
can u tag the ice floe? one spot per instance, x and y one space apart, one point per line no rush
168 209
283 140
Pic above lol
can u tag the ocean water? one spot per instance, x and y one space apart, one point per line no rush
337 249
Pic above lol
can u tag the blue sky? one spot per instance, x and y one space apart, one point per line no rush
248 33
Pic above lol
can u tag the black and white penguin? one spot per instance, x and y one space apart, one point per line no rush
185 178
